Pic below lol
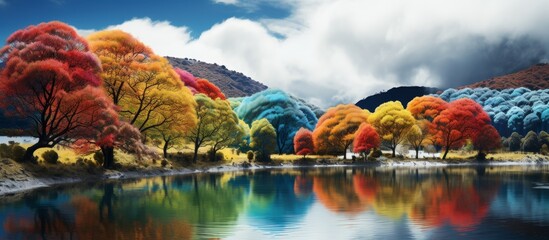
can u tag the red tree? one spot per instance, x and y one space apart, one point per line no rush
488 139
209 89
303 142
462 120
51 77
199 85
366 138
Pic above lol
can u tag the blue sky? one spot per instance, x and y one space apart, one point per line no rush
198 15
325 51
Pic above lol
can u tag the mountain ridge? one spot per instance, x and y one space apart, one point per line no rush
231 83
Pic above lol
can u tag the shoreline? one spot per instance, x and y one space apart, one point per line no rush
24 182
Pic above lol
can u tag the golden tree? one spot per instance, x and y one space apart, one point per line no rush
392 122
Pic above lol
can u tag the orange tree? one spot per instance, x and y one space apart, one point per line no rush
335 130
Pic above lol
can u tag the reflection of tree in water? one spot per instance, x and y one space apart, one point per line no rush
272 199
48 222
336 192
455 200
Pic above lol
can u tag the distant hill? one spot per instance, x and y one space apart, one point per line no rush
402 94
231 83
535 77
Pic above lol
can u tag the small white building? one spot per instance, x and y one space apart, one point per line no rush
422 154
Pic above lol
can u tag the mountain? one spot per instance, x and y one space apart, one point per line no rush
231 83
536 77
402 94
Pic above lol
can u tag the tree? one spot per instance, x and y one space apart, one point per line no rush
426 107
462 120
232 131
211 117
52 78
418 135
263 139
488 139
530 143
335 130
120 135
303 142
515 142
366 138
143 85
543 138
286 113
199 85
392 122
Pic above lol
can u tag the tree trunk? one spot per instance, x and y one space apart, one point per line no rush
195 156
445 152
417 152
165 149
394 151
29 153
108 157
345 154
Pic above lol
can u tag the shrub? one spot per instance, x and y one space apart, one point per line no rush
164 162
98 157
250 155
17 153
12 150
544 149
50 156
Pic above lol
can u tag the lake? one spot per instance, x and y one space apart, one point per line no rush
509 202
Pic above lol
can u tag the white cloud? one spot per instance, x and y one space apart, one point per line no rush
343 50
226 1
163 37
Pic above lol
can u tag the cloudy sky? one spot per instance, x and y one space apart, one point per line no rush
326 51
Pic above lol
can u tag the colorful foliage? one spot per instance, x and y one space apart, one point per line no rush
142 84
335 130
366 138
286 114
303 142
462 120
426 107
51 77
392 122
199 85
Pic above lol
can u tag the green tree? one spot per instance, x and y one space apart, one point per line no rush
263 139
514 142
530 143
211 115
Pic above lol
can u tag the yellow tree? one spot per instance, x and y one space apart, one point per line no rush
335 130
392 122
418 135
142 84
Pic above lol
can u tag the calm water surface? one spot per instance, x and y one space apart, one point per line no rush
325 203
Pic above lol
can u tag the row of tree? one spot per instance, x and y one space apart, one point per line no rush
512 110
111 91
427 120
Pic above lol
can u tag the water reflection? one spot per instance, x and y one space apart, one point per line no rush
322 203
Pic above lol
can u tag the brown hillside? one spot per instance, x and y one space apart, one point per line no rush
536 77
231 83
